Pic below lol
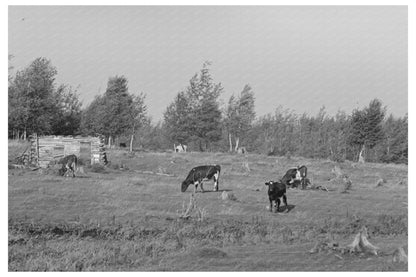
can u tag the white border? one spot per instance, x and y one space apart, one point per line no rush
411 100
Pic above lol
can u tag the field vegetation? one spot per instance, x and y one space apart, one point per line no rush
127 216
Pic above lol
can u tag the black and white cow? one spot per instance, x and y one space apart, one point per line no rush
276 191
202 173
69 163
296 175
180 148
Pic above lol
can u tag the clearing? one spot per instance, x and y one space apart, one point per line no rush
127 217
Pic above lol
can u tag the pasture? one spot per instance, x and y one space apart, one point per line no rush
126 217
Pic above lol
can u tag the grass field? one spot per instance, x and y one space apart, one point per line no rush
127 218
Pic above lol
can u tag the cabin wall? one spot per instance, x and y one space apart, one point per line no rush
51 149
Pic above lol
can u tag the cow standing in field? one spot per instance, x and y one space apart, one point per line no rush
296 175
69 163
180 148
202 173
276 191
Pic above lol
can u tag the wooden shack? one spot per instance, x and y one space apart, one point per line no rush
47 149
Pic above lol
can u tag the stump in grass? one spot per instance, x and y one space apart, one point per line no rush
380 182
186 213
228 196
341 179
200 213
245 167
361 243
337 171
347 184
399 256
318 247
401 182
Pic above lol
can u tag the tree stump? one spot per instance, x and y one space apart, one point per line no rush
228 196
399 256
361 243
380 182
245 167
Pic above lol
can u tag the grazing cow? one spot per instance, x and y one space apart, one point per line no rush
123 145
180 148
241 150
202 173
69 162
276 191
294 176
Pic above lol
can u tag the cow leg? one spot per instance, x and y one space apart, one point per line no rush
278 204
67 170
74 167
271 205
72 170
216 176
202 187
274 205
196 186
62 171
285 202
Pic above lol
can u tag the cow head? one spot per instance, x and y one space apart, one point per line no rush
61 171
270 185
184 186
273 185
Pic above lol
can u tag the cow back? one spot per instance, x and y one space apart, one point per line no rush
291 173
203 171
277 189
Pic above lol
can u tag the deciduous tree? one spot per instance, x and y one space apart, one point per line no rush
240 115
194 115
31 98
366 128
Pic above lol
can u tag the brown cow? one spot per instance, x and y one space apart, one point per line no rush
69 163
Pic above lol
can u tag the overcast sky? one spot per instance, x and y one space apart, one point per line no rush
302 57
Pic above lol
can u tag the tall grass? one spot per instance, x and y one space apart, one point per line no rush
65 246
16 148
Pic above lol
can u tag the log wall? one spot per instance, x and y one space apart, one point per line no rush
49 149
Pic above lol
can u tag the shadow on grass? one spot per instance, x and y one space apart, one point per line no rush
286 209
208 191
220 190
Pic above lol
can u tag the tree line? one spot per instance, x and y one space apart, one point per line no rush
197 117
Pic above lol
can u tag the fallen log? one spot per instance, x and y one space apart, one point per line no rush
155 173
20 166
320 187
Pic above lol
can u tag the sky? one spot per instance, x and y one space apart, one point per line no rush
299 57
